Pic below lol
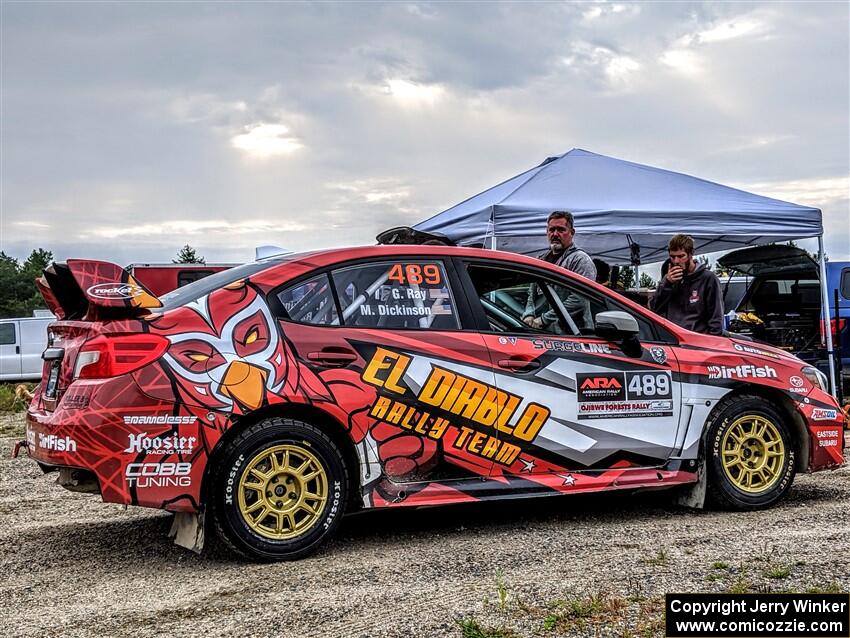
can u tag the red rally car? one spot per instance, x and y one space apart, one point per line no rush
270 398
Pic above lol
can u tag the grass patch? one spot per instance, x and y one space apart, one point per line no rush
580 612
778 572
741 585
501 590
719 564
471 628
10 401
12 425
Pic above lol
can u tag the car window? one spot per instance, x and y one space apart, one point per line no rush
516 301
310 302
7 334
509 296
845 283
396 295
186 277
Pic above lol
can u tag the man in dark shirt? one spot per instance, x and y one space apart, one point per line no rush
560 231
689 294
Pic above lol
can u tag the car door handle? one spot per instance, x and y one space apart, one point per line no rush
333 356
519 365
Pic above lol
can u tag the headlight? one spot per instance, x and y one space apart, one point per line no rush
817 378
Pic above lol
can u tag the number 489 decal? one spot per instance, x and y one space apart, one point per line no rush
416 274
649 384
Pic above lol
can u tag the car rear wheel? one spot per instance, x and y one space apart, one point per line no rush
750 454
279 490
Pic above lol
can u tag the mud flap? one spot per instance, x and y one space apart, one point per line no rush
693 494
187 530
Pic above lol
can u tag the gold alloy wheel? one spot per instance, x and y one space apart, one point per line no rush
282 492
753 453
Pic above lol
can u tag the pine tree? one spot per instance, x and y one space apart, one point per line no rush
18 293
646 281
188 255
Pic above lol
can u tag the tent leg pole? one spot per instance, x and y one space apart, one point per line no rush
825 317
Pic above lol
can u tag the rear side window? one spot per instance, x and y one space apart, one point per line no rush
185 277
845 283
396 295
7 334
311 302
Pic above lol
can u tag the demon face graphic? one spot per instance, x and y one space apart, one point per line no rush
225 352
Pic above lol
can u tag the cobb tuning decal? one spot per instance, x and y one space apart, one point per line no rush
480 412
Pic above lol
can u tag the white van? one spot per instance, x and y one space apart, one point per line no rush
22 340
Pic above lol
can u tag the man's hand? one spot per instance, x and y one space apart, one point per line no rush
534 322
675 274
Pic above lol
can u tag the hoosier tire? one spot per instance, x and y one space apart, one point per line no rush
279 490
750 454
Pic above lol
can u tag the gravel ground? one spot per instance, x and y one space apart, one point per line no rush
581 565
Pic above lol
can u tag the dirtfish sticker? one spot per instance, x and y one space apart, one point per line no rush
745 371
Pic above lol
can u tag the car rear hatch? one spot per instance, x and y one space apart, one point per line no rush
773 259
92 338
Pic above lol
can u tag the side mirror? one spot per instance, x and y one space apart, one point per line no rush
616 324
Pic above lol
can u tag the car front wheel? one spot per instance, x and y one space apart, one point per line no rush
751 459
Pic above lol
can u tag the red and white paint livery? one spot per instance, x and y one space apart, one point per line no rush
270 398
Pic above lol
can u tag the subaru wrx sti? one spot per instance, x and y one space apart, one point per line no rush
267 400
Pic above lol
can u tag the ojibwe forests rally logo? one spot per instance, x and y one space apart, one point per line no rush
449 398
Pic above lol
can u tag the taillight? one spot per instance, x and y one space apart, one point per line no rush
113 355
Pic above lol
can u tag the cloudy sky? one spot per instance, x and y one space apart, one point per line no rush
130 129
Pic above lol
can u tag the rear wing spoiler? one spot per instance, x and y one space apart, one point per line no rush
90 289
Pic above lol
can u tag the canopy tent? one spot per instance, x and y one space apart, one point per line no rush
618 205
626 213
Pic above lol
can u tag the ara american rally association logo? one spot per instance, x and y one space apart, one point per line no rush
114 290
